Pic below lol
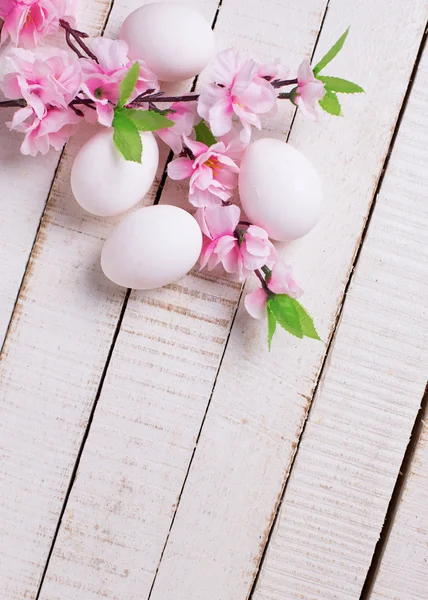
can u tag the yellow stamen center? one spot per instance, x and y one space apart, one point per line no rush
214 165
29 19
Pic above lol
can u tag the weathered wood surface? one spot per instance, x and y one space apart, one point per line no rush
24 188
403 570
168 357
260 400
54 355
359 427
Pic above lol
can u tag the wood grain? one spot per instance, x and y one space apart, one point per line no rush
24 187
358 430
159 382
53 358
39 389
403 570
260 401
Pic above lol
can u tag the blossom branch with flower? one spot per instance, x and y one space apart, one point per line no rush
209 131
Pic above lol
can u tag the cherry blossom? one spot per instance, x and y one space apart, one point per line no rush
53 129
185 117
101 81
273 70
281 281
45 78
256 249
213 174
27 22
237 89
309 90
239 249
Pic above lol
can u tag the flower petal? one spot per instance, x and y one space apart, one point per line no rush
180 168
255 303
222 220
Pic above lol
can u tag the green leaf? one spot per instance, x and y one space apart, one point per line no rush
306 322
146 120
128 84
285 312
330 103
126 138
292 317
204 135
334 50
271 326
341 86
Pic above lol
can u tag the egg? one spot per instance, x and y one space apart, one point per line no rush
152 247
175 41
104 183
280 189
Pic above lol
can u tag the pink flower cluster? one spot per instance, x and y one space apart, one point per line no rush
241 249
101 80
213 174
48 81
239 88
51 81
27 22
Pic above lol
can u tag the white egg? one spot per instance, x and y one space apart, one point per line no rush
280 189
152 247
104 183
175 41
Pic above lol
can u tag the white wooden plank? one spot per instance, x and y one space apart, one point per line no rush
33 374
260 401
24 187
358 430
403 570
51 366
159 382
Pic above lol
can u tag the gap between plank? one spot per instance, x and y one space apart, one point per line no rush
337 320
84 439
395 500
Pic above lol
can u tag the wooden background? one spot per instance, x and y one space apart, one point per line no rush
151 447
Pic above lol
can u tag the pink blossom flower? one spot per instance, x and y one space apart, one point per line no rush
256 249
273 70
280 282
218 224
101 81
240 251
27 22
53 129
213 174
184 116
309 90
46 78
237 89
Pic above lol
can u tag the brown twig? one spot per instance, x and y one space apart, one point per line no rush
263 282
84 101
13 104
277 83
78 37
